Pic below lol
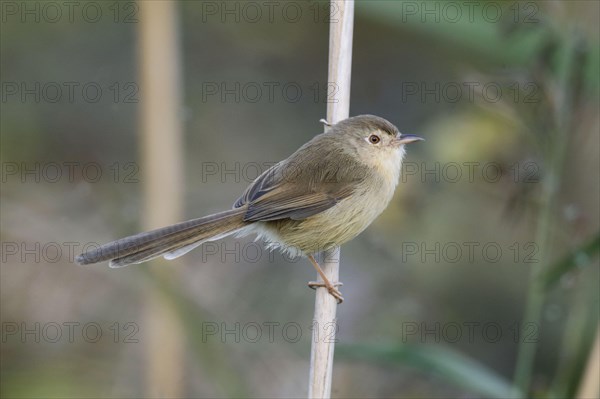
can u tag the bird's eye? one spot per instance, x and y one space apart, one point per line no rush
374 139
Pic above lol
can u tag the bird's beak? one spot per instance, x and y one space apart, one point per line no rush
402 139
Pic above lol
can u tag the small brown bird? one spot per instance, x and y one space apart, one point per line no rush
322 196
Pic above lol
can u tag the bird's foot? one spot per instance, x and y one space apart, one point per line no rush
331 288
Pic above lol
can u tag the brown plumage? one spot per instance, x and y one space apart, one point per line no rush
323 195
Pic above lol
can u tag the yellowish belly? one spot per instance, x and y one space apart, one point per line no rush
333 227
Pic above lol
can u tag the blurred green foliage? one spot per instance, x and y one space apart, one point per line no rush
545 51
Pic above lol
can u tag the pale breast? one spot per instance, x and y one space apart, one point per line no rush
342 222
333 227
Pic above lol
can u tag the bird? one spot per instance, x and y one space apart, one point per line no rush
320 197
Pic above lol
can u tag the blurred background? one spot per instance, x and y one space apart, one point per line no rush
481 279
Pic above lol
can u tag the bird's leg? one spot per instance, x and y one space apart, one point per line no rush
326 283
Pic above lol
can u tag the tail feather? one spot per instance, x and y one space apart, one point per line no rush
145 246
185 242
185 248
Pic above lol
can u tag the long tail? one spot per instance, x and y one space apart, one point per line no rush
171 241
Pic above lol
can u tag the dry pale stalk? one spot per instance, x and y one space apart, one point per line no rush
325 323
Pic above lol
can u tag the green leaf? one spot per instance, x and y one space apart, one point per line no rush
452 366
482 39
578 258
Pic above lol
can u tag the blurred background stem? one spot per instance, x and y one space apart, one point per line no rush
554 154
161 138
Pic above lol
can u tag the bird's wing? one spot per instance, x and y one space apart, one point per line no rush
280 203
264 183
301 187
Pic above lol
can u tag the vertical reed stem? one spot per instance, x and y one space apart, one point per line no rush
324 322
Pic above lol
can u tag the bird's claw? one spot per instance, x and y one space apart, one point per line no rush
331 288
